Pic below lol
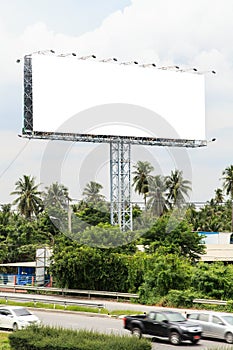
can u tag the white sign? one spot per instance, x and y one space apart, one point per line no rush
64 87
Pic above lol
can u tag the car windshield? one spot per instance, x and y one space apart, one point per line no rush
228 319
176 317
22 312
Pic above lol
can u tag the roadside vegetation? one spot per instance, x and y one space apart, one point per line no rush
97 256
54 339
4 341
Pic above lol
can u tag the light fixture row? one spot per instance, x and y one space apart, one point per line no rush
176 68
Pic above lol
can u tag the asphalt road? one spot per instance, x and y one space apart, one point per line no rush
113 325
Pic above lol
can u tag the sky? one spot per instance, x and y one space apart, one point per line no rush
186 33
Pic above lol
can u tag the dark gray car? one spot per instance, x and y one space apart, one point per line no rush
214 324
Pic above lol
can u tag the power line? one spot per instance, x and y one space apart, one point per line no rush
14 159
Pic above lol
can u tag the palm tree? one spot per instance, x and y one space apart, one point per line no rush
228 187
92 192
219 197
228 181
29 201
57 195
5 214
177 188
142 177
156 195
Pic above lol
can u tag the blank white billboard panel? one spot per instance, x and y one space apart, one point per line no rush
64 87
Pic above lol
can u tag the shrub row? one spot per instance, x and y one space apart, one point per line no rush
47 338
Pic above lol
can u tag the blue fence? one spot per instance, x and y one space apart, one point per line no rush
21 280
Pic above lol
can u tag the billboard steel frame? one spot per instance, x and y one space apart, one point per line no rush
120 153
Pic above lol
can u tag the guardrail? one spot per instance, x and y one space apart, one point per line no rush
64 291
54 302
210 301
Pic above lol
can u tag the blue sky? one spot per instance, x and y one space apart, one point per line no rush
185 32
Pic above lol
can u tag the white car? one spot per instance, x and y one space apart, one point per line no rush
214 324
16 317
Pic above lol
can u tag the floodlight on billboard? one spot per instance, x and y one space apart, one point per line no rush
64 87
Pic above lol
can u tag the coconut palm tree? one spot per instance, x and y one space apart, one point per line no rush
56 195
141 179
92 192
228 181
156 196
228 187
177 188
28 201
219 197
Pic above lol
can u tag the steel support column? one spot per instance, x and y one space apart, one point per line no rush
120 178
28 107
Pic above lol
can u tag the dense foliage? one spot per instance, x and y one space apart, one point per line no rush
95 255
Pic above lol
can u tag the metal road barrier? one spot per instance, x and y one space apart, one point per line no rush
64 291
65 303
210 301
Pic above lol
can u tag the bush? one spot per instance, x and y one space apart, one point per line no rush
47 338
179 298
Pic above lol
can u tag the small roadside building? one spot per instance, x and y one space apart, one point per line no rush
219 246
28 273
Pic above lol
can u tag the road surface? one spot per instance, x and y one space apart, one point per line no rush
113 325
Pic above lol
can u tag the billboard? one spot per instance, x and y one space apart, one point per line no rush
65 88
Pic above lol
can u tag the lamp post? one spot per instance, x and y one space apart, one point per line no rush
69 216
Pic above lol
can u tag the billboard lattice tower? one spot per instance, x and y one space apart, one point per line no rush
120 177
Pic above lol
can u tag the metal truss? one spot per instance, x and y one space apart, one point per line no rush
120 176
120 149
28 106
145 141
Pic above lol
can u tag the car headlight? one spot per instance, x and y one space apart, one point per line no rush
195 329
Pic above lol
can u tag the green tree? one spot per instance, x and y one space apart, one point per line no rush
177 188
228 181
92 214
156 196
212 217
213 280
177 236
219 197
141 179
5 214
56 195
165 271
92 192
29 200
85 267
106 236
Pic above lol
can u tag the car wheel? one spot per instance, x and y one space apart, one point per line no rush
195 341
15 327
137 332
229 338
175 338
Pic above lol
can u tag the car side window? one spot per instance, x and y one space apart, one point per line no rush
152 315
204 317
193 316
4 312
217 320
160 318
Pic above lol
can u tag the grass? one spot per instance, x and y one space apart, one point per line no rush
4 343
102 311
125 312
